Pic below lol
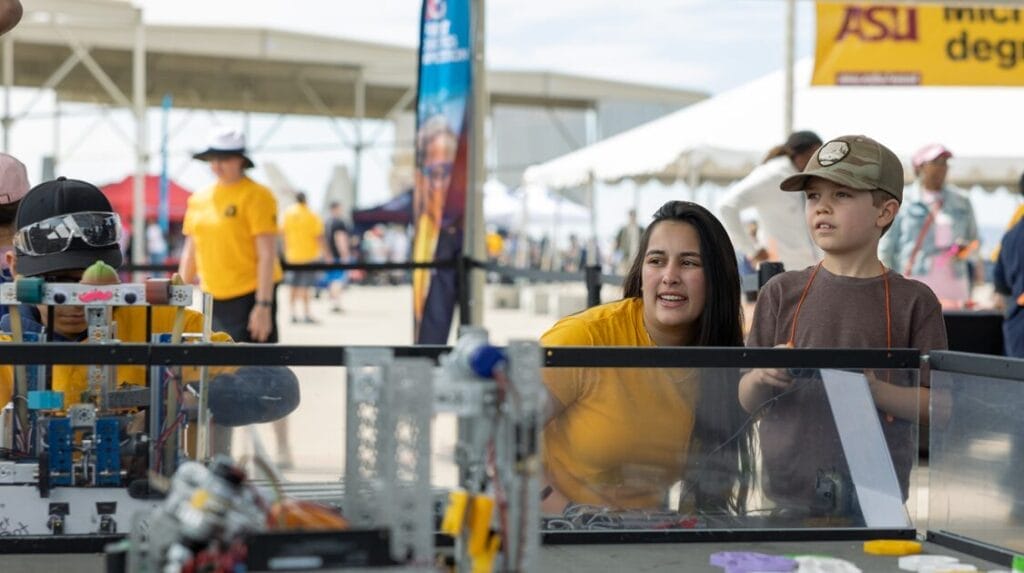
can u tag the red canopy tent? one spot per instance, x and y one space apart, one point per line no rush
120 196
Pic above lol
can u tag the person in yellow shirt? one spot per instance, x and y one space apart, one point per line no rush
620 438
64 226
303 234
495 244
231 243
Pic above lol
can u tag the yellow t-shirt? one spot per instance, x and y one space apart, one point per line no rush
622 437
302 231
495 245
72 379
223 222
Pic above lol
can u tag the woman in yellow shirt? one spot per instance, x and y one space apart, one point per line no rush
231 243
620 438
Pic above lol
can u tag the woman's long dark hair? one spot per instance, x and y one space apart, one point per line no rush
721 323
797 143
721 468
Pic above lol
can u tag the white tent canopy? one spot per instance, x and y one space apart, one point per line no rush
533 206
722 138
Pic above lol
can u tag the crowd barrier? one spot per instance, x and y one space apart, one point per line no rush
977 332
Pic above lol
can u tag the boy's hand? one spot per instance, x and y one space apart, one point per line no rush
757 386
773 377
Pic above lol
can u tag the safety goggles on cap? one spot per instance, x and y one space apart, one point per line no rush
54 235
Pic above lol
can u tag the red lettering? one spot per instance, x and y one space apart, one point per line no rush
875 16
851 23
909 32
879 23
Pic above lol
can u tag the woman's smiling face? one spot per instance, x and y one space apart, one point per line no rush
673 283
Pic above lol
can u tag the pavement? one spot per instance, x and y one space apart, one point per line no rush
375 316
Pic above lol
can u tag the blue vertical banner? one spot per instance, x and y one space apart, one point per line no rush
443 108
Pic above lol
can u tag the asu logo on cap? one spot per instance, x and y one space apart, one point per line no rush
833 152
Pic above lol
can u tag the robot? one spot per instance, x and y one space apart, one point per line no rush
498 398
77 468
390 511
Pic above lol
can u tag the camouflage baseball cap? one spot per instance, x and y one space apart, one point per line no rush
853 161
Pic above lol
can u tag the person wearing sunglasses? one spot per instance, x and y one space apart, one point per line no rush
436 238
66 225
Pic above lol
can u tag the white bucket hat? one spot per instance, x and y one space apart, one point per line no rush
225 142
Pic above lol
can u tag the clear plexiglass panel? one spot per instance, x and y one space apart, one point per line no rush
976 488
646 448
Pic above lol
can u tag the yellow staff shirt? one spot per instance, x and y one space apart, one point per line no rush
303 232
622 437
223 222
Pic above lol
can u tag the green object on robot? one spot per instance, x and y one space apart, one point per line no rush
1018 563
100 273
29 290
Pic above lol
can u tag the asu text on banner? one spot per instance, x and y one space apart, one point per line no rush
923 44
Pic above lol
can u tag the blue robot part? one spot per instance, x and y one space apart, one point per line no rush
58 439
45 400
108 452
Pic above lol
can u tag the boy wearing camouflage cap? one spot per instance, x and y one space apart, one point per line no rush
854 188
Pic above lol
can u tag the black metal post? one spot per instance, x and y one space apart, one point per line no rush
463 266
592 276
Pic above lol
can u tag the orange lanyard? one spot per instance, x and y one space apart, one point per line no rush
888 310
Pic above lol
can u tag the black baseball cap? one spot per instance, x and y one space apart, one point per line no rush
63 196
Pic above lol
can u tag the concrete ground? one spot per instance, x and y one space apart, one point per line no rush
381 315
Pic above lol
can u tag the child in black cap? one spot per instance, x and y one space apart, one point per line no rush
66 225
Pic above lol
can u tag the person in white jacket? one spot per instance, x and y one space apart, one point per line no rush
780 216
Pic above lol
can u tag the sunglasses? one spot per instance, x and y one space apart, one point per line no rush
54 235
437 171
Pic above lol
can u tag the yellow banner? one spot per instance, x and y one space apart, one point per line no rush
922 44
